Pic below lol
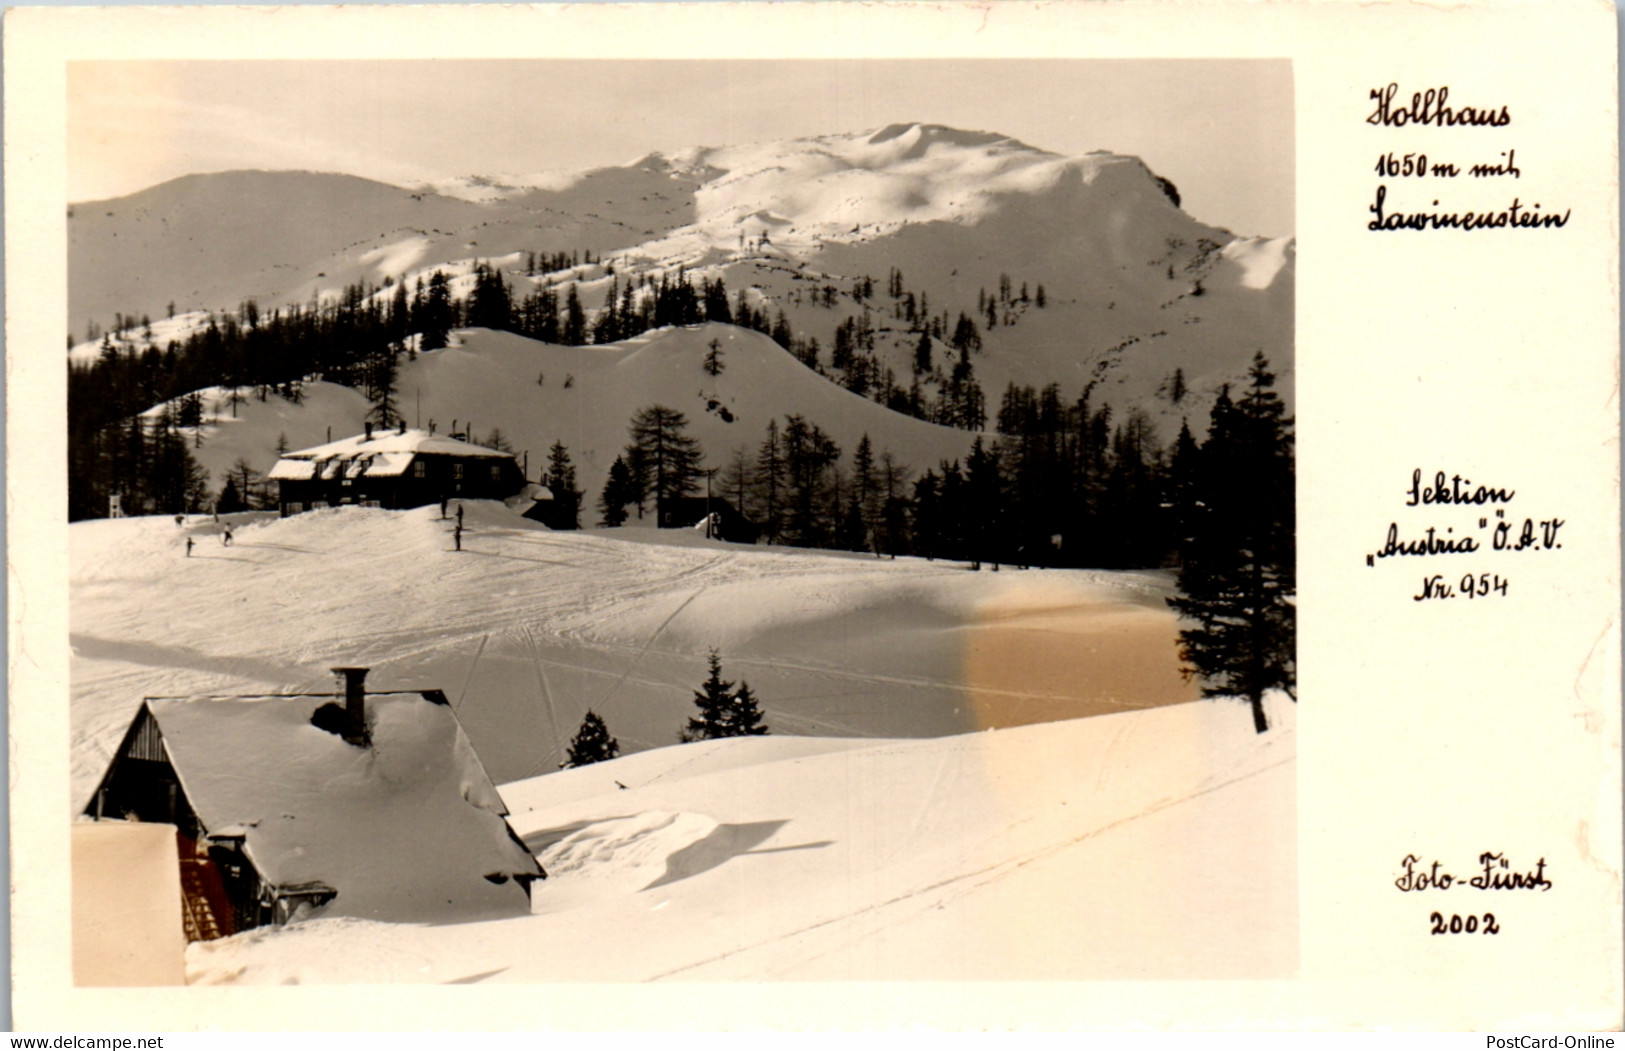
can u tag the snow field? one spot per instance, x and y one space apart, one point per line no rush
1148 845
525 629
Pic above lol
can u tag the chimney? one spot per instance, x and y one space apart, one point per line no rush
369 430
403 425
355 704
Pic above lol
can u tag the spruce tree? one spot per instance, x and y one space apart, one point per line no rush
1237 578
922 354
561 481
619 491
723 711
745 714
714 699
592 743
574 333
435 320
230 502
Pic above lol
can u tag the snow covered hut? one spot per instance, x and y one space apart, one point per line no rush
684 512
357 804
395 469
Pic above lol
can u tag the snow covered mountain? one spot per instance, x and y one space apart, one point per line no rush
1076 271
539 393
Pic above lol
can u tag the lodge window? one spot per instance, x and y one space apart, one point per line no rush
295 508
420 470
496 473
457 471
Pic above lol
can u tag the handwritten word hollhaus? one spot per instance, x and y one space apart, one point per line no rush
1429 108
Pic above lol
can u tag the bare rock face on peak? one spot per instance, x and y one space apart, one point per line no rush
1082 272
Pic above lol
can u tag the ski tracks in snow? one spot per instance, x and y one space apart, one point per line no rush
898 909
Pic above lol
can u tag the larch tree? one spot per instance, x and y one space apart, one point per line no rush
669 456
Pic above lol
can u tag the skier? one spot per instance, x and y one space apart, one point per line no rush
459 516
442 509
457 533
188 547
225 538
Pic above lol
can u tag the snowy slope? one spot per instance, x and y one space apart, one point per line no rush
1135 287
208 242
525 629
538 393
1147 845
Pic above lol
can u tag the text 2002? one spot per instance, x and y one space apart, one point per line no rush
1464 924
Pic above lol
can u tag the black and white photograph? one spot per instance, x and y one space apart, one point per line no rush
741 520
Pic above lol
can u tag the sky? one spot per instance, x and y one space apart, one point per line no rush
1221 130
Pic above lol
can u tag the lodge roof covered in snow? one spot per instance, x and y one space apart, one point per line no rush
406 826
379 455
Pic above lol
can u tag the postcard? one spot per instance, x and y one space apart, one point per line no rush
969 516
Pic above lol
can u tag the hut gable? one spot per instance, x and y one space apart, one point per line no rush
405 826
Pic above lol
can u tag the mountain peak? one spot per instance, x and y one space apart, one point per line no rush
932 134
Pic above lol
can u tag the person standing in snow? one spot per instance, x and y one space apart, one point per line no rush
188 547
225 537
457 532
442 509
459 516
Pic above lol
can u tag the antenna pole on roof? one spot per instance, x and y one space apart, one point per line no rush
330 434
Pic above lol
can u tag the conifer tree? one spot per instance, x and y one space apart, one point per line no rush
574 333
670 458
592 743
984 504
745 714
561 481
607 327
1237 578
619 491
229 502
922 354
722 710
866 493
714 698
435 321
769 481
737 481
